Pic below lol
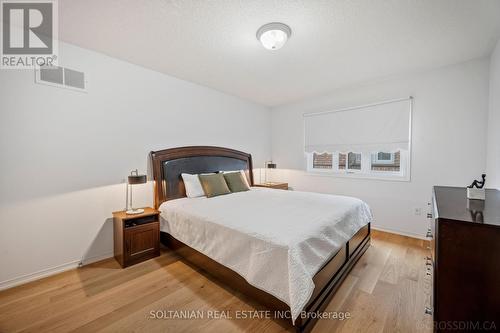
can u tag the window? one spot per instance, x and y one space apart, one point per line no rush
322 161
354 161
386 162
342 161
368 141
382 158
374 164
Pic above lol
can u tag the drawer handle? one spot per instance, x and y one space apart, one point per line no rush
428 311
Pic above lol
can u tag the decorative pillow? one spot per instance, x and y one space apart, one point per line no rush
242 173
193 185
214 185
236 182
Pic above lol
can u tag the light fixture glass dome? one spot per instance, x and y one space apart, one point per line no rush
274 35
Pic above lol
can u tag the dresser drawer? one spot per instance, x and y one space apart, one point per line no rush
431 230
430 273
431 236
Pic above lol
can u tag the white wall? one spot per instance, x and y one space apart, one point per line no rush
493 160
449 141
65 154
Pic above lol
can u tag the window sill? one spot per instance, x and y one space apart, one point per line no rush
358 175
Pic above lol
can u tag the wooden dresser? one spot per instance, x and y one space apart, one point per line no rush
465 260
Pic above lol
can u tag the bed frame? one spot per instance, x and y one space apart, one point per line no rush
167 166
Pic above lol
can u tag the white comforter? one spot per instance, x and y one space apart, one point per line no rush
277 240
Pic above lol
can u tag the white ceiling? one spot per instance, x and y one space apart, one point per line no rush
333 43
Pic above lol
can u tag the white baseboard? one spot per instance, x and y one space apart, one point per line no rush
51 271
38 275
398 232
90 260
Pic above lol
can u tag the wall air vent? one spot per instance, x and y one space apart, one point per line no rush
61 77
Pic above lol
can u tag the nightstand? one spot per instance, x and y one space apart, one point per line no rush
279 186
136 237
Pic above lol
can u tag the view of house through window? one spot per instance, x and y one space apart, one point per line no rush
322 161
342 161
354 161
390 164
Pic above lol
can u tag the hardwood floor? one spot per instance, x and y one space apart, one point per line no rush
386 291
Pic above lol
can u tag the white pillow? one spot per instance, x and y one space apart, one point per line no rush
243 173
193 185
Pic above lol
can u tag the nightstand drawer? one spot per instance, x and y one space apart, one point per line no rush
141 242
140 221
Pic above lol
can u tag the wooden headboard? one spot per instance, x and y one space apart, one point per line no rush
169 164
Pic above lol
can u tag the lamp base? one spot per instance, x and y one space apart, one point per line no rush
135 211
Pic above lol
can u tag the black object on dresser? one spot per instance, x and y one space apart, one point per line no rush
465 255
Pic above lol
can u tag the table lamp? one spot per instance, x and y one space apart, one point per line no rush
134 179
268 165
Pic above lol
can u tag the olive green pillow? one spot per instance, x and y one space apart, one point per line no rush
213 185
236 182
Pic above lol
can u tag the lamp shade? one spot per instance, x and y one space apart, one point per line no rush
137 179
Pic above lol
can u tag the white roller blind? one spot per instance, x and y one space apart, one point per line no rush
383 126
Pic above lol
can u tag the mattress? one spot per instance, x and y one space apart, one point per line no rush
277 240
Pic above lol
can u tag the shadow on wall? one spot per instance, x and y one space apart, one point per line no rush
92 255
93 252
39 183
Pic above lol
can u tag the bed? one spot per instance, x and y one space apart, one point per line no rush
288 250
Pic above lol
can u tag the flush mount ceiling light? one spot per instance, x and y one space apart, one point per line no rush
274 35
